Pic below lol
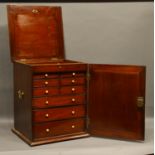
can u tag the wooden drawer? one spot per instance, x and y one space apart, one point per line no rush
58 113
73 74
73 81
45 76
48 91
60 67
44 102
72 90
45 82
56 128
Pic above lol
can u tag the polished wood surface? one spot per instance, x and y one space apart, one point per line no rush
35 32
45 102
51 91
58 113
72 90
58 128
113 93
47 140
73 81
45 83
44 76
22 107
60 67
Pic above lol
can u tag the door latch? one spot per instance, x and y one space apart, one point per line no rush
140 102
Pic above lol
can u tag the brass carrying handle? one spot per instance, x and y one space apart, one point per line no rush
140 102
20 94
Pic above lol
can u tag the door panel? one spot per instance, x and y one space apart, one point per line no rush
113 94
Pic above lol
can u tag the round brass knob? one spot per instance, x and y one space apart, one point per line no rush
46 115
73 126
73 73
73 99
73 89
73 81
35 11
60 66
46 102
46 91
73 112
46 75
46 82
47 130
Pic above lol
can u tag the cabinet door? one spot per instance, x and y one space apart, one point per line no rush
116 101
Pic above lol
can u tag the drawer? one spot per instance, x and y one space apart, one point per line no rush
44 102
45 76
57 128
51 91
72 90
45 82
59 67
73 81
58 113
73 74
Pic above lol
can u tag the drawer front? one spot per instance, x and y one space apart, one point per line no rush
72 90
45 82
45 91
57 128
60 68
44 102
45 76
73 74
58 113
73 81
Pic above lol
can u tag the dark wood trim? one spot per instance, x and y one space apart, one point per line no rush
49 140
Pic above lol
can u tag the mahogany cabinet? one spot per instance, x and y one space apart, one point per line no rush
57 99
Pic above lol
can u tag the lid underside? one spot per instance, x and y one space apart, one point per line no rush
35 32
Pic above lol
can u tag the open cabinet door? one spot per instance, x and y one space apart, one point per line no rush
116 101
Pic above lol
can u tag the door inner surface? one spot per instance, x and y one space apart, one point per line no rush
116 101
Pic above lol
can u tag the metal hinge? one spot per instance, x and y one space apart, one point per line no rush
140 101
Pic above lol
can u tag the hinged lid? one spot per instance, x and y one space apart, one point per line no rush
35 32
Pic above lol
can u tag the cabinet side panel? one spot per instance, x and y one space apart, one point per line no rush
22 106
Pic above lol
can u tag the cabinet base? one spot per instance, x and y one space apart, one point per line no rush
50 139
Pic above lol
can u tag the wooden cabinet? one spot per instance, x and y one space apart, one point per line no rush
57 99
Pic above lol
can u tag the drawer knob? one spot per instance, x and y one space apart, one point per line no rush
73 73
60 66
35 11
73 112
73 89
46 75
46 91
47 130
46 102
73 81
73 126
46 82
46 115
73 99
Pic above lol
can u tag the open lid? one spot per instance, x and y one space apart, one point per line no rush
35 32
